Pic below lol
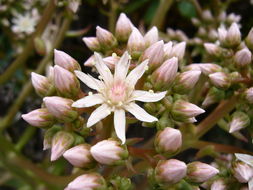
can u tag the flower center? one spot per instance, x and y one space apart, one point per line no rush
117 93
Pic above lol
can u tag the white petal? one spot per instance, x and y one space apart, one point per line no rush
90 81
88 101
248 159
140 113
100 113
122 67
120 124
144 96
103 70
136 73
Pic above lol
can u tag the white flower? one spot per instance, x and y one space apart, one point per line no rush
116 93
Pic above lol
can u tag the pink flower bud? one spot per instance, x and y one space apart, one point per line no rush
233 37
167 50
91 181
243 57
207 16
60 143
74 5
60 108
168 141
249 39
49 135
123 27
109 152
136 43
154 54
90 62
214 95
220 80
39 118
151 36
170 171
178 50
239 121
41 84
65 82
105 38
79 156
249 95
65 61
212 49
209 68
92 43
222 33
50 73
242 172
218 185
200 172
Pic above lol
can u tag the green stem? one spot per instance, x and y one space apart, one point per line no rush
28 133
197 7
112 15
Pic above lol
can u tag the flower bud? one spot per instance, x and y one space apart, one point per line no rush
123 28
207 16
249 39
105 38
232 17
214 95
79 156
41 84
186 81
243 57
92 43
154 54
65 82
91 181
199 172
220 80
178 50
90 61
39 118
167 48
170 171
109 152
166 73
50 73
111 61
239 120
168 141
60 143
40 46
209 68
218 185
74 5
233 37
136 43
249 95
242 172
65 61
222 33
151 36
60 108
212 49
48 136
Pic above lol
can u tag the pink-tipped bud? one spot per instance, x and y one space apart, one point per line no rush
249 95
214 95
249 39
90 62
200 172
41 84
123 28
49 135
212 49
170 171
154 54
186 81
136 43
233 37
111 61
105 38
168 141
91 181
65 82
166 73
239 121
60 108
167 50
50 73
39 118
92 43
60 143
207 16
243 57
65 61
109 152
178 50
218 185
79 156
222 33
209 68
151 36
220 80
74 5
242 172
232 17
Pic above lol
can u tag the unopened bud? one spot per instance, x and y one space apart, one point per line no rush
105 38
170 171
207 15
91 181
60 108
151 36
109 152
79 156
218 185
195 21
90 62
65 82
167 50
222 33
65 61
136 43
49 135
92 43
242 172
200 172
168 141
111 61
243 57
249 95
209 68
60 143
74 5
239 120
123 28
249 39
41 84
233 37
178 50
232 17
220 80
50 73
40 46
39 118
154 54
214 95
212 49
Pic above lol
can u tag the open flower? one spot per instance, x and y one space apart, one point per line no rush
116 93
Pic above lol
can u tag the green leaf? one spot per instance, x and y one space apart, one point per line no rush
186 9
